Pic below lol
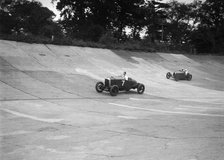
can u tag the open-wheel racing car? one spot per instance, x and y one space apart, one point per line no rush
179 75
114 85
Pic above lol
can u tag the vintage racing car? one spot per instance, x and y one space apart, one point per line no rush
116 84
179 75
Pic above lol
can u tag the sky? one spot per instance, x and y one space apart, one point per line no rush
47 3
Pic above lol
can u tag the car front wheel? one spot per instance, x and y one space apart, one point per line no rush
168 75
141 89
99 87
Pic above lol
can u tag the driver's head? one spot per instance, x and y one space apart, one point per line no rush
124 73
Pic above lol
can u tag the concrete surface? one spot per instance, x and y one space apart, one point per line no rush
49 109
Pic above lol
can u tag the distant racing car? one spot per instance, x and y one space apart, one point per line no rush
116 84
179 75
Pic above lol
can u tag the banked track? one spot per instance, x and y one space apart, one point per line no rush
54 85
42 65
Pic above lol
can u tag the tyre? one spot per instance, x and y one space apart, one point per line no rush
189 77
175 77
168 75
141 89
99 87
114 90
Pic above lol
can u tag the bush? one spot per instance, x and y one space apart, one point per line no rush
26 38
95 32
108 39
62 41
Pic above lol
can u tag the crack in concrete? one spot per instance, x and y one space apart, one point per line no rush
161 137
111 156
97 139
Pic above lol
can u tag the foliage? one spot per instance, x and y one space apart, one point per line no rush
79 16
94 33
108 39
6 22
51 29
26 17
118 24
177 26
155 18
209 36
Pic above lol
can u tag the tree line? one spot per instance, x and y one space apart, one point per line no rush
198 25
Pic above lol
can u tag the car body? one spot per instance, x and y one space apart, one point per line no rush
179 75
116 84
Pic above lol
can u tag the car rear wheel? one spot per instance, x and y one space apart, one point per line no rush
99 87
141 89
114 90
168 75
189 77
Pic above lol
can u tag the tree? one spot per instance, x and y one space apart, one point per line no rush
128 14
78 16
154 18
178 22
31 16
51 29
209 36
6 22
23 16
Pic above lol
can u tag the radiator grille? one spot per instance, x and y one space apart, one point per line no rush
107 82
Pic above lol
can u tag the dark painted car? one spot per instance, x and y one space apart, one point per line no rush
116 84
179 75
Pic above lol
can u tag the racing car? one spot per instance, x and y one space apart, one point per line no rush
116 84
179 75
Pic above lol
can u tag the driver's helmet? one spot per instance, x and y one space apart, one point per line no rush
124 73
